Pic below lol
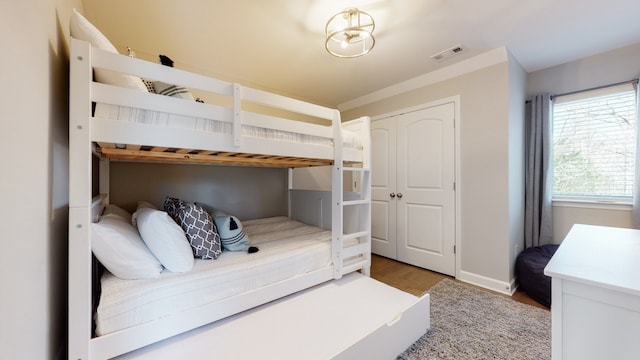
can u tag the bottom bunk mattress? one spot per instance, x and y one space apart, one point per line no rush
287 248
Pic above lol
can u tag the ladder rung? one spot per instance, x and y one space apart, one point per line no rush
354 266
356 169
355 250
355 235
347 168
355 202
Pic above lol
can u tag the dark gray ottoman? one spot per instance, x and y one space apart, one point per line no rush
530 272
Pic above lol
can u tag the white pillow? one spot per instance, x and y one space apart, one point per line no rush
146 204
165 239
118 246
82 29
141 204
115 210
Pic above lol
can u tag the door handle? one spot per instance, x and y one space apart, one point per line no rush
399 195
392 195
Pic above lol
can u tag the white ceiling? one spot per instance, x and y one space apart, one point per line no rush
278 45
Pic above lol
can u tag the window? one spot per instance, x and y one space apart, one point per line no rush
594 143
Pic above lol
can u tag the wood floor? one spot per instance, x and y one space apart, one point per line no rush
416 281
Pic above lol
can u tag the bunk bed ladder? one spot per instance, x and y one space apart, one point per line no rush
356 238
352 240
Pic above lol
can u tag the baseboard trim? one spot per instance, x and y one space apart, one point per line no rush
507 288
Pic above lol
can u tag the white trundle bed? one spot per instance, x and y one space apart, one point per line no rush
305 294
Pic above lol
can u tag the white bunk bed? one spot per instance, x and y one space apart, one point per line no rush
120 124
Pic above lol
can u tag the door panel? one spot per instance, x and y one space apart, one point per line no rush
423 146
413 159
383 183
425 178
424 219
383 240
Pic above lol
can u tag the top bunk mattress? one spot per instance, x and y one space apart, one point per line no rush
350 139
288 248
310 150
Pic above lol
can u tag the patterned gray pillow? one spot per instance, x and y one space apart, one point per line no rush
172 90
198 226
171 206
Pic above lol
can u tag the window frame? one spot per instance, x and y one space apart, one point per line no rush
599 202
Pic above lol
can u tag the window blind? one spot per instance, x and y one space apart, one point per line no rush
594 142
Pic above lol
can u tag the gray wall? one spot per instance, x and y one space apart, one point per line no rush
516 135
602 69
491 161
246 192
34 182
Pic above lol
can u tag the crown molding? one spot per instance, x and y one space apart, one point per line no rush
481 61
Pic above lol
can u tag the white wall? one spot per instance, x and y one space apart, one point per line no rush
34 181
602 69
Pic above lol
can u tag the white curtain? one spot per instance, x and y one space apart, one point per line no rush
538 228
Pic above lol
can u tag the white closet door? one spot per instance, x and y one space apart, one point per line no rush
383 184
425 194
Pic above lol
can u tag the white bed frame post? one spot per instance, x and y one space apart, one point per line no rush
80 202
237 115
337 192
365 189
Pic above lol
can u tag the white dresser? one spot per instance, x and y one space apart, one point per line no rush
595 294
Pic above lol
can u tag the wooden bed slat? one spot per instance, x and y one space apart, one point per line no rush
207 157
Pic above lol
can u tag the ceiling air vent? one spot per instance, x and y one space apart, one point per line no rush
445 54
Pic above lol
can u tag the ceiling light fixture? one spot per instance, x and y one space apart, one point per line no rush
349 33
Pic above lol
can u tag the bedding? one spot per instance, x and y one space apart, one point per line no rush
198 225
288 248
82 29
165 239
201 231
119 247
115 210
232 234
172 90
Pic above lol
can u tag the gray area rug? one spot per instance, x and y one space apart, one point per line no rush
468 323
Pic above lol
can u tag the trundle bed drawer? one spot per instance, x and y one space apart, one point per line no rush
355 317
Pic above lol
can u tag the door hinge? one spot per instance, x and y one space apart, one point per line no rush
454 186
454 249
